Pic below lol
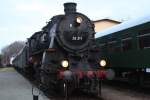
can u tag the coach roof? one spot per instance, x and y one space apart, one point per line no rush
124 25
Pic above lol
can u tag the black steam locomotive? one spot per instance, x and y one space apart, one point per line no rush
63 54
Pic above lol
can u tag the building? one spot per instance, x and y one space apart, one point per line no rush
104 23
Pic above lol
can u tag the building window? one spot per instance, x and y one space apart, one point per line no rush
127 44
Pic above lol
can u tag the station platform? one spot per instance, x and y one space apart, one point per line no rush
14 86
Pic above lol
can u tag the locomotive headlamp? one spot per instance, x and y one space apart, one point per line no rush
65 63
79 20
102 63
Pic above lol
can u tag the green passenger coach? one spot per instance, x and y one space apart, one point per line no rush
126 49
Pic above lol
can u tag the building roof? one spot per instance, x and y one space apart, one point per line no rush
124 25
106 19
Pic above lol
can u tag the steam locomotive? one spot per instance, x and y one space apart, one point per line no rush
63 54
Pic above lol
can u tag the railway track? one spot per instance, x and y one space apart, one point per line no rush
75 95
111 91
78 95
118 90
122 85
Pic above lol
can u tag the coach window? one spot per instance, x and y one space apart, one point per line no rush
144 41
103 46
112 46
127 44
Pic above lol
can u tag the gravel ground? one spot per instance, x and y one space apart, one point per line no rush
13 86
111 93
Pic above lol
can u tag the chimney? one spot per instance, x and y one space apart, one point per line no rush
69 7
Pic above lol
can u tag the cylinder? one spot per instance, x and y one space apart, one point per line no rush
69 7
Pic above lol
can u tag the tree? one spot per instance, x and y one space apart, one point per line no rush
10 51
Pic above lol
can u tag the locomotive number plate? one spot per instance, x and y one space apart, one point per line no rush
77 38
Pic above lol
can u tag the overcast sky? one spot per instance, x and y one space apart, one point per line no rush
19 19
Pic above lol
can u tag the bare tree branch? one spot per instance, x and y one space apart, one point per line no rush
10 51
